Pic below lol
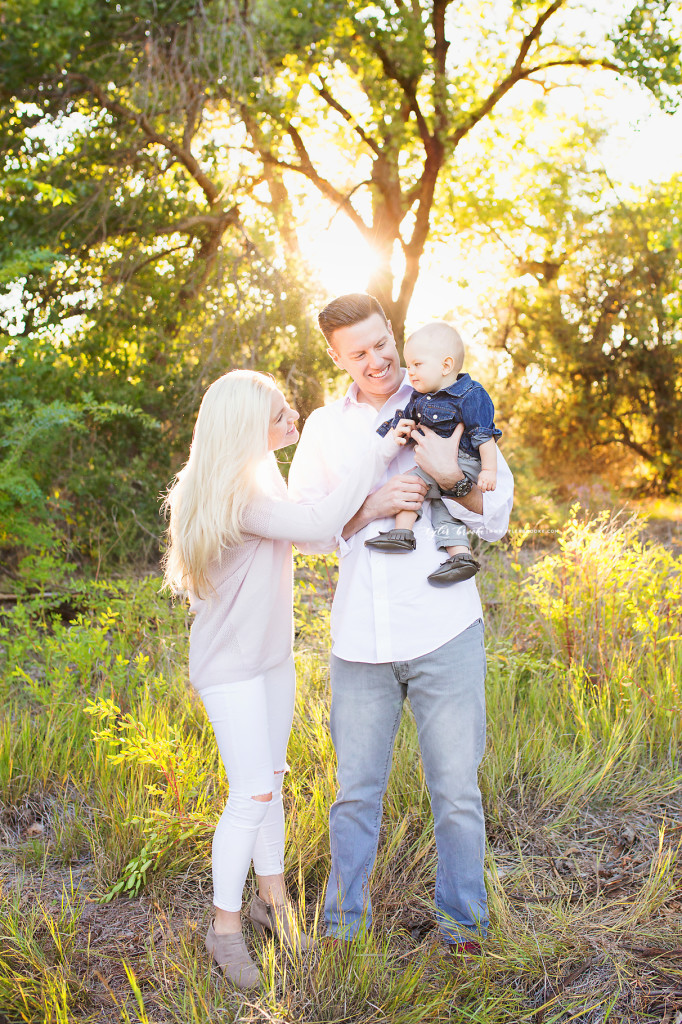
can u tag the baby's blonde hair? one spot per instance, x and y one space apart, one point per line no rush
206 500
443 336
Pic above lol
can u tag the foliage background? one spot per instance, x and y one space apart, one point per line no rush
164 165
159 165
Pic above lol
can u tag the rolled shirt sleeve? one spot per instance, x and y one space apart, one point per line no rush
478 414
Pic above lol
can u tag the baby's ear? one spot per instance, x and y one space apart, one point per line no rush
448 365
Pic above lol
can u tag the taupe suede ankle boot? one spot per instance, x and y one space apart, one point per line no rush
280 920
232 956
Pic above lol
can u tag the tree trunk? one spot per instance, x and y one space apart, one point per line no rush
380 285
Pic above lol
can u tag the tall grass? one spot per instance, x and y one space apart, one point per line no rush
111 785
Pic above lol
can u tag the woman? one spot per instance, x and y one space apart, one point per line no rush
230 535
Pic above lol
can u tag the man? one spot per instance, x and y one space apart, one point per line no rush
395 635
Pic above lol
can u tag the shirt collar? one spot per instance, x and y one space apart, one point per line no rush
351 396
456 389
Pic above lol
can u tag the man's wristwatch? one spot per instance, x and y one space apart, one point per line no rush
460 490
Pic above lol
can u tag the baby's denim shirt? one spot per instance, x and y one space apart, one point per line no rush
465 401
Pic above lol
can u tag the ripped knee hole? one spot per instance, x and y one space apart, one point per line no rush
265 797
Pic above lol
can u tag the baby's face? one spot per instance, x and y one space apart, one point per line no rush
425 366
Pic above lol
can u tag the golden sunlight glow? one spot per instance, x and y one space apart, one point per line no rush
343 261
341 258
642 145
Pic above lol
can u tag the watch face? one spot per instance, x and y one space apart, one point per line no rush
462 487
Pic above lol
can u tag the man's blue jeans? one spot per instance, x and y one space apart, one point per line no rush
446 691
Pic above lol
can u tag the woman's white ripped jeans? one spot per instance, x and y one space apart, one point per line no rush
252 721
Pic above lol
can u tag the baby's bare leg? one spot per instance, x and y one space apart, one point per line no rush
458 549
405 520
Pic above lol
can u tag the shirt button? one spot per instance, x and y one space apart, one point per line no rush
428 398
435 416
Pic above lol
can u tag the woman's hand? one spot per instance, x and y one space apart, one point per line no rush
403 493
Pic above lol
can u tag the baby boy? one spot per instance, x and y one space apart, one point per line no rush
442 398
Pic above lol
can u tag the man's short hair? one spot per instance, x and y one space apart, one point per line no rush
346 311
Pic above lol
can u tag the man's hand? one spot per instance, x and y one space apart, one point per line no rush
437 456
403 493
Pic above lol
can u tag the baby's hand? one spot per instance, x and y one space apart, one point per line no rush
402 431
487 480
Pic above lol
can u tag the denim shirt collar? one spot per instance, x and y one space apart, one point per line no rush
459 388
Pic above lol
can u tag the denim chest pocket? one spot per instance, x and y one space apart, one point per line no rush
438 412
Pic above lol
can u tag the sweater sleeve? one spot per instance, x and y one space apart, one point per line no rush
286 520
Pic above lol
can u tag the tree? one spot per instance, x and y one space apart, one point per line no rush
128 277
150 150
404 84
122 213
594 335
399 85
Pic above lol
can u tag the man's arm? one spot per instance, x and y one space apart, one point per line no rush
438 456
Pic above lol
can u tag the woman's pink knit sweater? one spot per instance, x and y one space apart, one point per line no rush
246 626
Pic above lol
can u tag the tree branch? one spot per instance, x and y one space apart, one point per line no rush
189 225
441 44
629 441
182 155
408 87
440 51
305 167
534 34
579 62
326 95
128 272
503 87
193 112
322 184
518 72
360 184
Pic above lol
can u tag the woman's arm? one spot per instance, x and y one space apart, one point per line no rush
285 520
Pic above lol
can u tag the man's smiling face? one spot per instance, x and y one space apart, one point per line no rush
367 351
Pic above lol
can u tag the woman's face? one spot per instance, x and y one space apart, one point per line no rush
282 430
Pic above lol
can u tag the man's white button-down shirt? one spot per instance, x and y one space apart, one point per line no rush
384 608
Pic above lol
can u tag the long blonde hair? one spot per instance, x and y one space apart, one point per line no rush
206 500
